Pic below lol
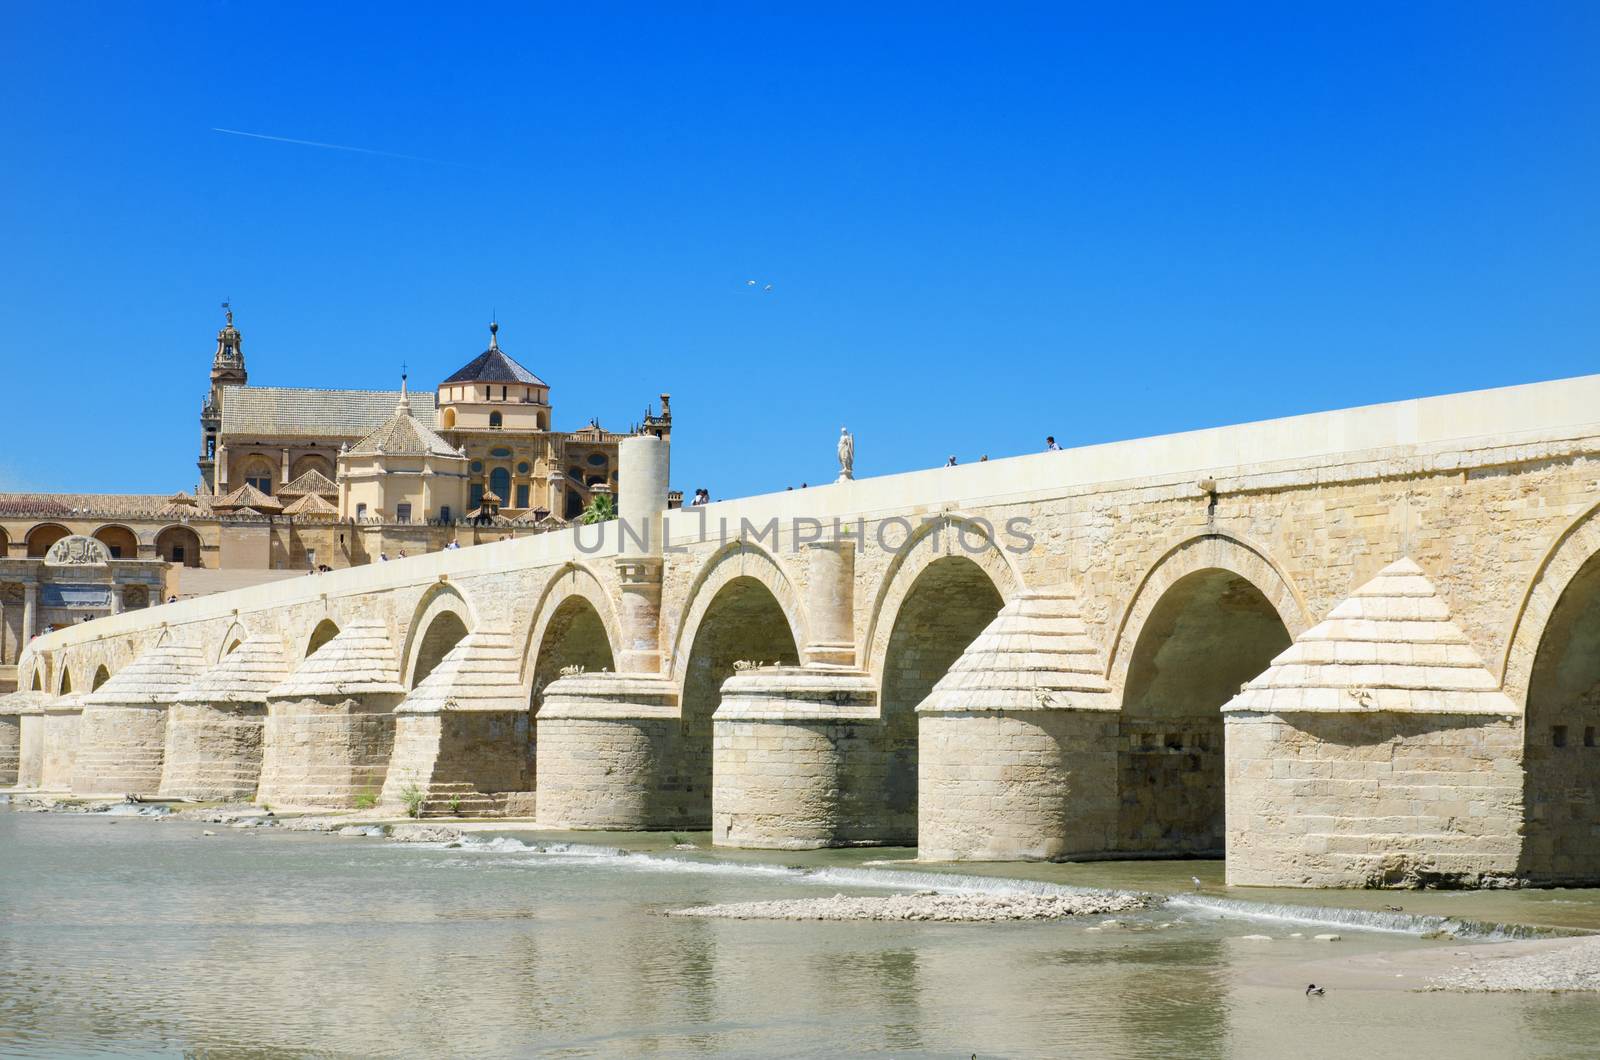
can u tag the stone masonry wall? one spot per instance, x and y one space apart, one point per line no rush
1373 799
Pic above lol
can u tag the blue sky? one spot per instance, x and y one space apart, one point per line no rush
1096 222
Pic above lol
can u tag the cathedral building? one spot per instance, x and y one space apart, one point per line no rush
286 441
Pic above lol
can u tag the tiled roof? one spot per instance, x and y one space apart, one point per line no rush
63 505
311 504
246 496
403 435
493 366
306 413
312 481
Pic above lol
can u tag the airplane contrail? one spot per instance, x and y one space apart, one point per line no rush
333 147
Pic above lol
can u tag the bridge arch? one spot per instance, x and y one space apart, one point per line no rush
1552 667
943 587
42 536
954 535
573 625
64 682
316 637
438 622
1211 614
235 635
738 617
735 561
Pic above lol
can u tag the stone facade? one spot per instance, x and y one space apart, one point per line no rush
1183 567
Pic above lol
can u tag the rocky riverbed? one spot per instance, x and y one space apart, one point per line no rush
927 905
1557 965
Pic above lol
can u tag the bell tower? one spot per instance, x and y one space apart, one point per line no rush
227 369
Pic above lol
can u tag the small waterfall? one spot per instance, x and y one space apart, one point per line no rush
706 863
1363 919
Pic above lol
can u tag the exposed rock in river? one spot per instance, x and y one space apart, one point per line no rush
927 906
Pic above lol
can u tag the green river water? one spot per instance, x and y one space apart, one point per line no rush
124 936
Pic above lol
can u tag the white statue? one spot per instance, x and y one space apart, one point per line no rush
847 455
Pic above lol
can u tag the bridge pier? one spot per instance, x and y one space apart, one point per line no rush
63 718
797 760
1377 751
330 725
215 727
10 743
27 708
461 737
799 756
1017 755
123 732
608 753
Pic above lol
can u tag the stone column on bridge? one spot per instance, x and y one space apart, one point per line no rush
461 740
215 727
63 719
830 599
608 744
1377 751
796 763
122 735
1017 743
330 724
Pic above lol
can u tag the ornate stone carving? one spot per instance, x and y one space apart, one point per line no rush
76 550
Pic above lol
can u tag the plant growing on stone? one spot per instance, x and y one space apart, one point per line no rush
366 801
455 805
412 796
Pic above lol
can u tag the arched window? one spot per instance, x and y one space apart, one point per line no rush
495 420
500 484
448 420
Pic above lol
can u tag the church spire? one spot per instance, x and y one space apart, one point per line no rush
403 406
230 344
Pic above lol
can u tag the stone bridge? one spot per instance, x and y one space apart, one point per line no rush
1354 648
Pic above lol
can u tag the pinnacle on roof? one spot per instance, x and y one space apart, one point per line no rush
1391 646
493 365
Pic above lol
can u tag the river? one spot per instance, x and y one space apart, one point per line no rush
122 936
